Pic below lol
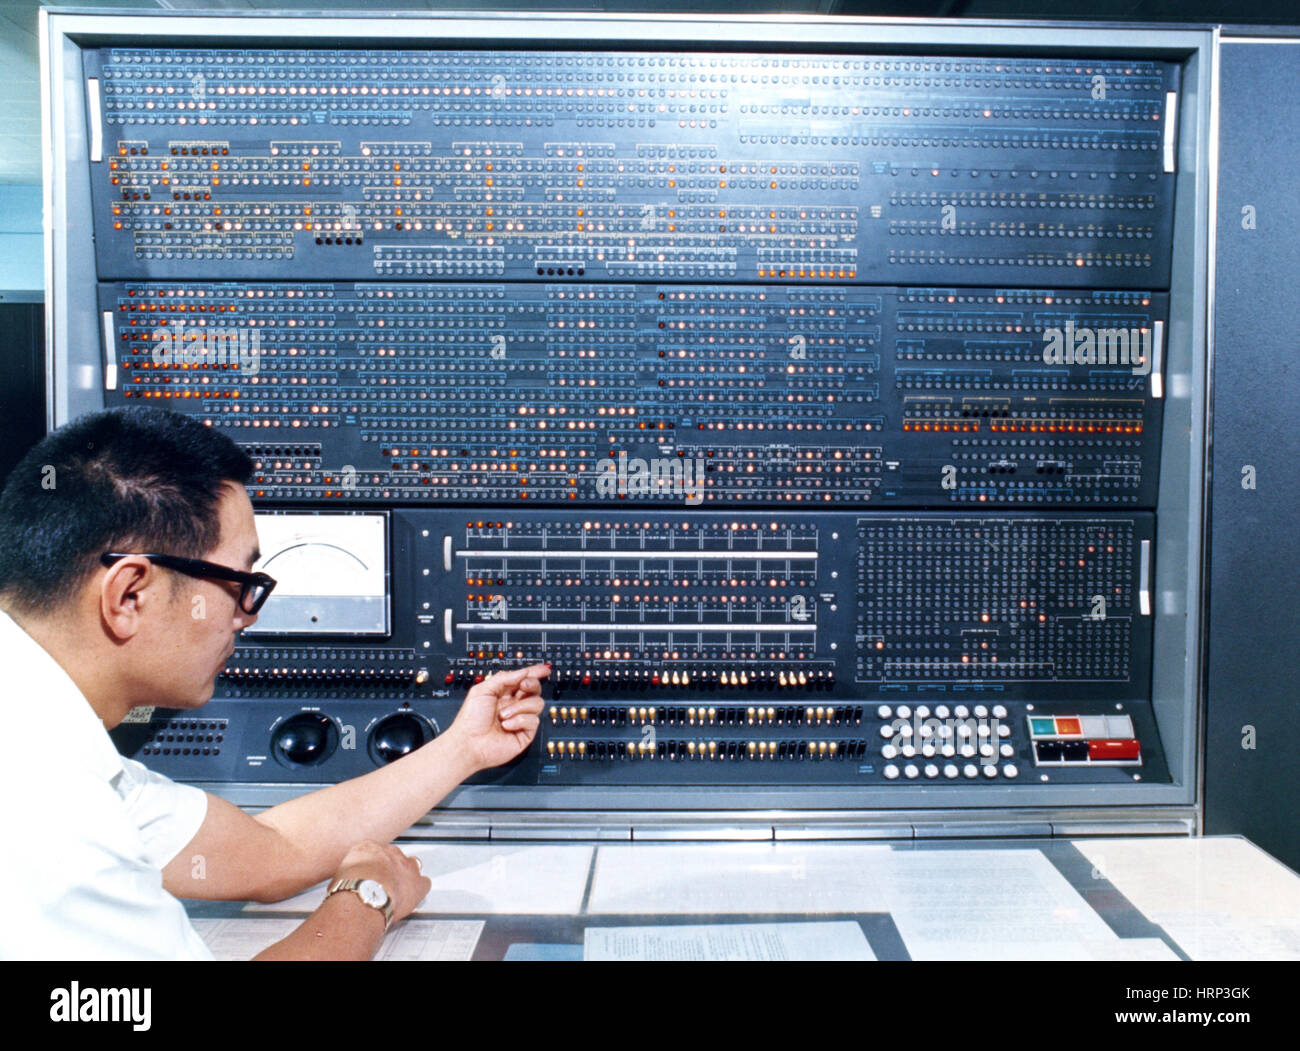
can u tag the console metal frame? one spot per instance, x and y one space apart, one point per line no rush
74 386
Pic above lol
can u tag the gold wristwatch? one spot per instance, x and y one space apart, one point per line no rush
370 891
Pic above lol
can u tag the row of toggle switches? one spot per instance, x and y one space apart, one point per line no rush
675 715
706 749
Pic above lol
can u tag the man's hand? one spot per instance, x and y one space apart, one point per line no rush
399 874
499 717
342 928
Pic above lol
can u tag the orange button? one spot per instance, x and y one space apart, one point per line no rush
1068 726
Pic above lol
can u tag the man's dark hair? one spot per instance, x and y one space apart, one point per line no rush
136 479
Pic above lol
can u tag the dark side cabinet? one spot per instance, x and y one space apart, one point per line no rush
22 381
1252 762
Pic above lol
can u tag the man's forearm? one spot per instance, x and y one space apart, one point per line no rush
342 928
321 826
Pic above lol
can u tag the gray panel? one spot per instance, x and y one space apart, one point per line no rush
1255 550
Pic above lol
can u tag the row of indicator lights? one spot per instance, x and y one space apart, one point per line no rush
722 678
1064 428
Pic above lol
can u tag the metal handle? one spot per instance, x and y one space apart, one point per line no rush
1171 123
1144 579
110 353
95 119
1158 360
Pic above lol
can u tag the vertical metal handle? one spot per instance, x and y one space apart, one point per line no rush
94 116
1144 579
1158 360
1171 125
110 352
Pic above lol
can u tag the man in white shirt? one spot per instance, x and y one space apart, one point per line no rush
101 525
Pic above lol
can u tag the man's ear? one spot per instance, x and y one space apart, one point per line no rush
128 588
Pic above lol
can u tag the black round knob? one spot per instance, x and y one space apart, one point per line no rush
398 735
307 739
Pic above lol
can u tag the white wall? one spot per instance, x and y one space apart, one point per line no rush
22 244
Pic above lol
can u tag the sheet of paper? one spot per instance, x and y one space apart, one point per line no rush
242 938
993 903
535 951
485 879
738 878
840 940
1218 897
443 940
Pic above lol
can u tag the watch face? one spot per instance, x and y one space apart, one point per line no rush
372 893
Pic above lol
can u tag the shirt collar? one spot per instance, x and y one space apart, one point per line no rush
38 679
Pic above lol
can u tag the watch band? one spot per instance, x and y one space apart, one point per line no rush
354 885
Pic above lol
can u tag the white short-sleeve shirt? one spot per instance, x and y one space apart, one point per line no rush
86 832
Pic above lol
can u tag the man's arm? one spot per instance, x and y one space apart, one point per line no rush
343 927
300 842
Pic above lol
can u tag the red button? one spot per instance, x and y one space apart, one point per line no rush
1113 749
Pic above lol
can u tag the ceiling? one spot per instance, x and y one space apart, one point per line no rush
20 137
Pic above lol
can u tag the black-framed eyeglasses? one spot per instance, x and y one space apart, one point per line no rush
254 588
